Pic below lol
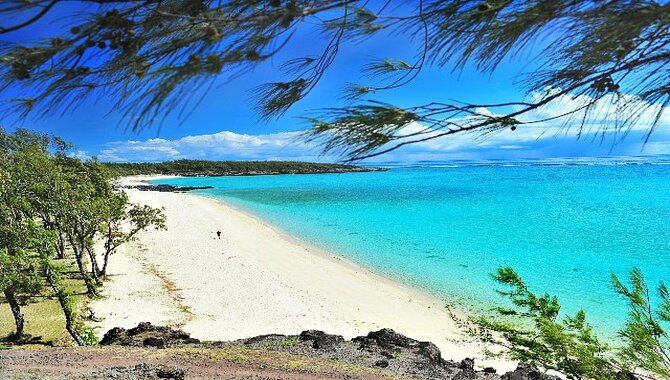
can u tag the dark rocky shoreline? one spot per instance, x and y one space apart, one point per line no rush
166 188
384 350
236 173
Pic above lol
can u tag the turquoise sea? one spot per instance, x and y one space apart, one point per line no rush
564 225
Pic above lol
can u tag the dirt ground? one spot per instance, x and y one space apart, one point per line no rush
191 363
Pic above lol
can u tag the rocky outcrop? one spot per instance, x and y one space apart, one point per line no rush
385 350
527 372
385 338
321 340
166 188
147 335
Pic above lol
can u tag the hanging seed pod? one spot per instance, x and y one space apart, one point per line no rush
233 56
194 60
483 7
214 64
83 70
286 21
252 55
22 74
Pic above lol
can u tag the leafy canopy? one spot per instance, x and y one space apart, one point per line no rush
48 199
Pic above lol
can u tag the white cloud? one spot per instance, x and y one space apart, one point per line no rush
224 145
603 114
80 154
523 143
540 140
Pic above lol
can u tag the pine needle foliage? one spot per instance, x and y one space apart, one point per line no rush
533 332
645 333
611 59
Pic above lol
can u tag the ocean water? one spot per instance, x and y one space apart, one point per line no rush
563 227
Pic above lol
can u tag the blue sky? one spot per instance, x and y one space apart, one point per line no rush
225 126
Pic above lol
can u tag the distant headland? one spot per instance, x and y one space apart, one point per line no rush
204 168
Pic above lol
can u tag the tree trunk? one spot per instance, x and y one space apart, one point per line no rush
60 247
95 269
105 261
65 305
19 321
78 254
108 252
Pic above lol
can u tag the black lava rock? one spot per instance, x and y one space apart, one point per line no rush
321 340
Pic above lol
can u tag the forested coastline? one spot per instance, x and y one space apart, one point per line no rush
62 221
229 168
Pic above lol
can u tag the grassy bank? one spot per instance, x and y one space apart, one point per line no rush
44 318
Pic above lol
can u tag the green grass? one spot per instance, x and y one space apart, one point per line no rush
290 341
44 317
268 359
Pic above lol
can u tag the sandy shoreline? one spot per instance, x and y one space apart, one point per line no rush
257 280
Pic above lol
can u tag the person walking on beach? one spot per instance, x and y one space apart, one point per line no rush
218 234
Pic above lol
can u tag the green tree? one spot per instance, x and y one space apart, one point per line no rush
21 236
123 221
80 220
46 196
533 332
93 210
645 334
609 58
52 274
35 158
19 274
18 266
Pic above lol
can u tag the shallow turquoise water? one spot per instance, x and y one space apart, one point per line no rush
564 228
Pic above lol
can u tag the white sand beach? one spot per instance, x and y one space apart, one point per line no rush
257 280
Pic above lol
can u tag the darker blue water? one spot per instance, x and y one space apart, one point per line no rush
564 228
